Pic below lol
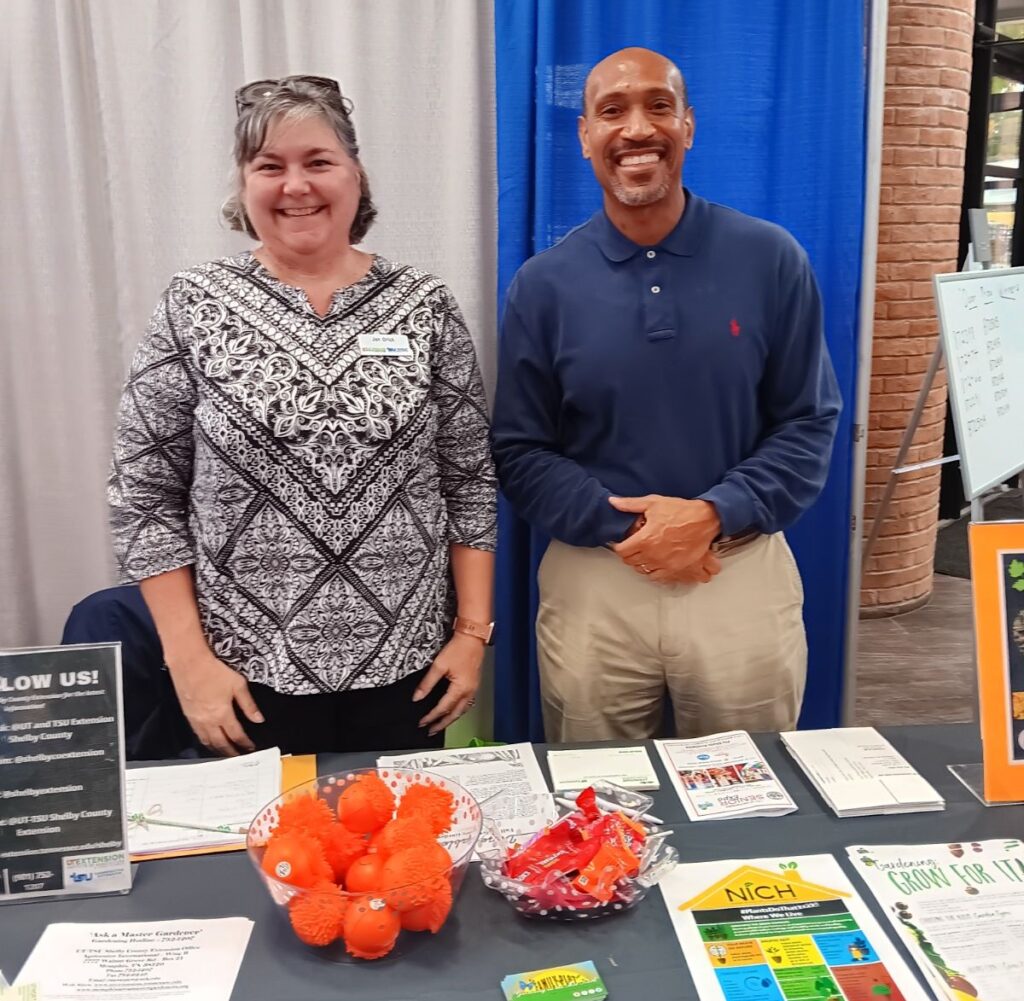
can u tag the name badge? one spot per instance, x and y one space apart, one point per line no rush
386 345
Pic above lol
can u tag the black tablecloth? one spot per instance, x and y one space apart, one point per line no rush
636 953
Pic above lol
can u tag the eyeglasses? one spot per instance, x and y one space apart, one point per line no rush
319 86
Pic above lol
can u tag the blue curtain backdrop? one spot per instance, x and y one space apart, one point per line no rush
778 88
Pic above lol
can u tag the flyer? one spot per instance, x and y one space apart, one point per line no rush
959 908
723 776
141 961
782 929
62 821
997 588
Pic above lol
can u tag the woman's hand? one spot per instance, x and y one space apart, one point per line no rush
459 661
208 691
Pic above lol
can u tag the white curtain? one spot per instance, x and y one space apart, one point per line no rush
116 119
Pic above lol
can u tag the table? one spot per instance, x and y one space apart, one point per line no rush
636 953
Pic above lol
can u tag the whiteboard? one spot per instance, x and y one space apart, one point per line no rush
981 322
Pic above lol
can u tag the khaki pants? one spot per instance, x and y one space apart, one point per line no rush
732 653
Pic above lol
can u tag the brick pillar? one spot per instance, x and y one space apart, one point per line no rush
927 92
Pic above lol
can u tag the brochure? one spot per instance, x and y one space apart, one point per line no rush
578 767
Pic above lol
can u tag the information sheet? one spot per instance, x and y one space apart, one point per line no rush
782 929
960 910
165 960
62 822
578 767
723 776
506 781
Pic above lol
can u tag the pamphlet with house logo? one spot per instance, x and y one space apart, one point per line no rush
782 929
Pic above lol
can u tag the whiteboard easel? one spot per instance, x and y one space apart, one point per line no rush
981 333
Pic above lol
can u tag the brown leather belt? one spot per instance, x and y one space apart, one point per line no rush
730 543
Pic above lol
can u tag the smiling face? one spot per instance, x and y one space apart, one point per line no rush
301 189
636 126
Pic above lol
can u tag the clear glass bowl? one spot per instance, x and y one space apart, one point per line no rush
557 899
460 841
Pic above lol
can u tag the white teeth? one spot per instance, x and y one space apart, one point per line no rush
301 212
632 161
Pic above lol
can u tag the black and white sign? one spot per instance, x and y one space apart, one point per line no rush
62 822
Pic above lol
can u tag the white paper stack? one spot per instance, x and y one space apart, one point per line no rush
859 773
578 767
723 777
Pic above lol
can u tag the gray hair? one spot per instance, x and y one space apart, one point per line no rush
292 100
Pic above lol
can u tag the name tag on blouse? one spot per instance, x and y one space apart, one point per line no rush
385 345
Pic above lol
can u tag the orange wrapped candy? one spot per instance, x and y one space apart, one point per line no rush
341 848
318 916
431 802
401 833
370 928
364 874
406 880
431 915
296 858
304 813
366 804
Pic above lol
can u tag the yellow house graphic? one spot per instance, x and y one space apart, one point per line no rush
749 886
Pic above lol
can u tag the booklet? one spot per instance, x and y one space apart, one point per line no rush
723 777
578 767
198 960
959 909
782 929
859 773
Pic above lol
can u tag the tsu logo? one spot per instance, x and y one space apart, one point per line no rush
703 757
80 877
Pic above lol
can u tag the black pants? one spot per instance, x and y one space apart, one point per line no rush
363 719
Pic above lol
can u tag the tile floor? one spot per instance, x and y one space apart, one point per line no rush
919 667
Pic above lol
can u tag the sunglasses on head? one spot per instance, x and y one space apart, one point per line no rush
320 86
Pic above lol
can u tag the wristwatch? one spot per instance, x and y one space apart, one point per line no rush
478 630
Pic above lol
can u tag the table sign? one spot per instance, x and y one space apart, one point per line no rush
997 585
62 819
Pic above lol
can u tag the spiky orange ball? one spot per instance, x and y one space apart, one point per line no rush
364 873
407 880
431 802
318 915
304 813
370 928
401 833
296 858
341 848
431 915
366 804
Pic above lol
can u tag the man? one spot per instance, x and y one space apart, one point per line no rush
665 407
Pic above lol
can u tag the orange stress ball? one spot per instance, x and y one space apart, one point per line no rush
304 813
401 833
296 858
364 874
318 916
370 928
366 804
408 878
341 848
430 802
431 915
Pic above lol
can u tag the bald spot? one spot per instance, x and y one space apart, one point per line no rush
633 61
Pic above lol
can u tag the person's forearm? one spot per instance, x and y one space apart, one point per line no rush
171 599
473 573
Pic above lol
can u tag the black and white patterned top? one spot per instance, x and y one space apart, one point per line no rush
316 488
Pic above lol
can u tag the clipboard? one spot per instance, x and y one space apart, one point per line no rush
295 769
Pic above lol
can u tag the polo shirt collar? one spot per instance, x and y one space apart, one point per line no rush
682 241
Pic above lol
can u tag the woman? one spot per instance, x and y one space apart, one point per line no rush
301 477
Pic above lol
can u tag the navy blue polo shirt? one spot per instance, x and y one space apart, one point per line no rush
695 368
